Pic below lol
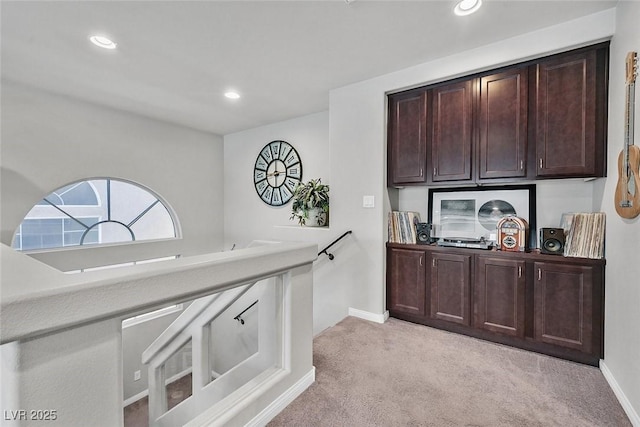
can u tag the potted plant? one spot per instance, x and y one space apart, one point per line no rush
311 203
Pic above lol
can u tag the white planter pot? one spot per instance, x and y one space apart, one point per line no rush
317 218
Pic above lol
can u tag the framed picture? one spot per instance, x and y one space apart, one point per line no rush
474 212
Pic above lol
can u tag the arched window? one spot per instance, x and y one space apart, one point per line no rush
94 211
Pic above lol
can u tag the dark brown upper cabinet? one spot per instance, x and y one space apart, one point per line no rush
502 123
450 141
570 137
407 138
545 118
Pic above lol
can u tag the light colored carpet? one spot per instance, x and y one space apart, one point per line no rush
403 374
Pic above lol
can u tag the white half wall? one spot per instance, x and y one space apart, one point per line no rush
50 140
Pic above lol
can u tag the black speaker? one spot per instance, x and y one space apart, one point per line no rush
423 233
552 241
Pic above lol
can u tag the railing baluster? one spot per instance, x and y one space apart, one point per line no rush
157 393
201 374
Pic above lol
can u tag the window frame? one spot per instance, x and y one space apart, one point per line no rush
105 205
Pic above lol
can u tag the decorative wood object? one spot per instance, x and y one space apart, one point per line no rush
627 196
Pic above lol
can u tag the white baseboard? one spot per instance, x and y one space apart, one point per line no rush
367 315
622 398
268 413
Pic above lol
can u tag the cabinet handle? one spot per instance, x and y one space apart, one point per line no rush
421 172
521 164
540 162
433 262
539 274
519 271
435 171
420 261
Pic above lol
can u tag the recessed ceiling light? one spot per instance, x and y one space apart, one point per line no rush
103 42
467 7
232 94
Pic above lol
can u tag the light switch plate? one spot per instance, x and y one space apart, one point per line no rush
368 201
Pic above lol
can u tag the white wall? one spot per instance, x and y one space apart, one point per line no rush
357 167
248 218
50 140
135 340
622 301
553 198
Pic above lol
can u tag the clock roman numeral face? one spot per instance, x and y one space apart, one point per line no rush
294 172
286 194
275 149
276 173
261 163
266 196
276 198
291 183
266 154
284 151
292 159
260 187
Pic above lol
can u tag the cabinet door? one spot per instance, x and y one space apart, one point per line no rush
499 291
450 282
503 124
407 140
451 140
566 116
406 281
563 305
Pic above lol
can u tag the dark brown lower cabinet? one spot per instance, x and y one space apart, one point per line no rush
450 283
544 303
500 295
563 305
407 275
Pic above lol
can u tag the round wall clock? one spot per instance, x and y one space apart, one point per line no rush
277 171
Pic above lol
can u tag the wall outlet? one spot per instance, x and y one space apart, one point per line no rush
136 376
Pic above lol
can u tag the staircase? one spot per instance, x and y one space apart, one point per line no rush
194 324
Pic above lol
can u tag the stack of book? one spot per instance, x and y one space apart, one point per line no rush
586 236
402 226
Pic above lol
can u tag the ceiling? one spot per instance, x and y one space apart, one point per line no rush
175 59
